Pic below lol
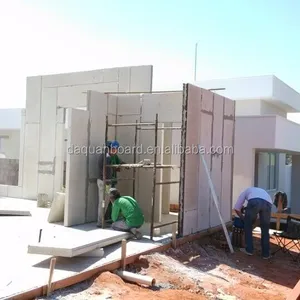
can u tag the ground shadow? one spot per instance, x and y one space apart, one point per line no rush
73 264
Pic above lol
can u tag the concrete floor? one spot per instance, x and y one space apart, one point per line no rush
25 271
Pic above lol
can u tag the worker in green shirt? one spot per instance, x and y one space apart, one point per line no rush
126 213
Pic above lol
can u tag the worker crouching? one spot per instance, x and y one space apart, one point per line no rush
126 213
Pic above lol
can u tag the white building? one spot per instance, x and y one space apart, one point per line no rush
10 126
263 134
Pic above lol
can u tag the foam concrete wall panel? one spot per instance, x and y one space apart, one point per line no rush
33 97
76 173
216 168
30 169
22 149
97 109
47 142
81 78
72 89
75 96
167 105
204 205
208 115
128 110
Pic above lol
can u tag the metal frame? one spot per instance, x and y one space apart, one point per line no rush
140 126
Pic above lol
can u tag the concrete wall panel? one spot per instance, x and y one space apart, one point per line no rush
97 109
60 153
33 99
205 127
81 78
75 96
216 170
76 173
205 137
227 169
22 144
141 79
192 139
47 127
30 170
167 105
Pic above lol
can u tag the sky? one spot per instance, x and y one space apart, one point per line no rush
235 38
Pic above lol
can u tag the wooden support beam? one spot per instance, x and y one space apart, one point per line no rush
52 266
123 255
174 229
295 293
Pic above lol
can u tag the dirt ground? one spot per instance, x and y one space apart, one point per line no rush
198 270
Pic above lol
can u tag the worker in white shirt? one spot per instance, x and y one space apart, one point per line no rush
259 202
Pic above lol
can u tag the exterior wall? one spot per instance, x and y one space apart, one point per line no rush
10 143
264 133
257 107
42 169
268 88
250 133
209 122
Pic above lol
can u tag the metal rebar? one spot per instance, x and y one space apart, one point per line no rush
154 178
134 159
167 182
104 175
153 92
160 128
165 224
40 235
143 166
118 179
130 124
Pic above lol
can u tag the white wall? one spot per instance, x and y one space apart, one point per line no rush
257 107
268 88
46 96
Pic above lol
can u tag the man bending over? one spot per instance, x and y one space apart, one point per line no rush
259 202
126 213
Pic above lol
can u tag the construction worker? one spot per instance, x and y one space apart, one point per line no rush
259 202
126 213
110 174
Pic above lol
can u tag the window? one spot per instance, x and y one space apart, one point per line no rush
272 184
266 170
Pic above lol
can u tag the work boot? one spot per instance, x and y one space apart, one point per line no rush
136 233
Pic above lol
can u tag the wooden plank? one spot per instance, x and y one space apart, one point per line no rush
295 293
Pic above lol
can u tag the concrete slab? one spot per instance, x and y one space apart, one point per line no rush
11 207
75 247
33 270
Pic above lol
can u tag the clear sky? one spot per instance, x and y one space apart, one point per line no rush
236 38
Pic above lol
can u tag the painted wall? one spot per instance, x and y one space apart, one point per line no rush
257 107
209 123
46 96
265 133
268 88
